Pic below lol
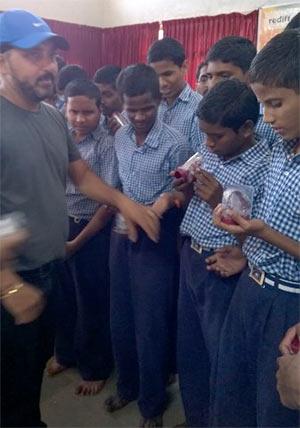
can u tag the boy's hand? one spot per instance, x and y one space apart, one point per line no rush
71 248
288 380
207 188
253 227
168 200
227 261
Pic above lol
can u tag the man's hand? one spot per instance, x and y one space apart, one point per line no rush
253 227
227 261
286 345
207 188
139 215
26 304
9 244
288 380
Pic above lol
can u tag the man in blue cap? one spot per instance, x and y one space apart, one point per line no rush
37 153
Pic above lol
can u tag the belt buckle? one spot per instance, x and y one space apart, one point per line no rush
257 275
196 247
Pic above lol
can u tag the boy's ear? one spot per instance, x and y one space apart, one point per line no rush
184 66
246 74
246 130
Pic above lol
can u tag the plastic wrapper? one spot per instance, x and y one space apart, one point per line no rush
186 171
120 119
239 199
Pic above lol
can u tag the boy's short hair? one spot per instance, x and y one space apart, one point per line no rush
230 104
68 73
277 64
166 49
60 62
83 87
294 23
107 75
234 49
138 79
199 68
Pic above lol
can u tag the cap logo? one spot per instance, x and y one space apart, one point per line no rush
37 24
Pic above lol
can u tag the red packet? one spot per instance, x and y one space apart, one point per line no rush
186 170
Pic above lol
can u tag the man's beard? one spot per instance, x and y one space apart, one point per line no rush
33 93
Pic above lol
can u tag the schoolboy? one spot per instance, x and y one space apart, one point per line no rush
266 300
232 155
83 337
201 78
111 102
142 275
179 102
65 75
230 58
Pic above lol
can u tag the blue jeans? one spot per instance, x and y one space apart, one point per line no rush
25 350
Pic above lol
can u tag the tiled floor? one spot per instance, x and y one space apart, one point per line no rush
62 408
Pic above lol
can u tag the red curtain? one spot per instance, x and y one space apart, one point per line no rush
128 44
198 34
94 47
85 44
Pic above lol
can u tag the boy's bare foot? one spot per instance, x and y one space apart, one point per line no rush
54 368
151 422
115 402
93 387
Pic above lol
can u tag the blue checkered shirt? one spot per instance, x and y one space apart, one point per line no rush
144 170
280 209
263 131
249 168
97 149
181 115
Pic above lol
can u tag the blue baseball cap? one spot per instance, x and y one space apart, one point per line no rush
24 30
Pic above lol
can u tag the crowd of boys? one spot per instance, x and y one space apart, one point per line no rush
223 294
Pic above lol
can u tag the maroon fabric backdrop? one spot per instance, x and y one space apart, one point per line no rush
129 44
199 34
93 47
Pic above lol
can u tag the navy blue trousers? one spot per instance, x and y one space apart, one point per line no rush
83 332
25 350
204 298
142 302
256 322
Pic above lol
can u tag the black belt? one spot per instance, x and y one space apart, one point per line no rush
264 279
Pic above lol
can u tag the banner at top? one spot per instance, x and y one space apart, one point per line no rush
272 20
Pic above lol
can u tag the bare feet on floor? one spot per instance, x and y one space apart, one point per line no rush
114 403
54 368
93 387
151 422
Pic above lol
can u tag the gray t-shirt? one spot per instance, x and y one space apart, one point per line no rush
35 153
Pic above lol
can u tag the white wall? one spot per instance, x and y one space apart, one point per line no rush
112 13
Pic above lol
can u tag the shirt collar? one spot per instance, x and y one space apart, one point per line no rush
95 135
152 139
254 154
287 146
184 96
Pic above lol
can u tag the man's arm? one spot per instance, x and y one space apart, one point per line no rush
258 228
135 214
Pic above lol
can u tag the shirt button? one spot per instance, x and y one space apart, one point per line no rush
286 173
